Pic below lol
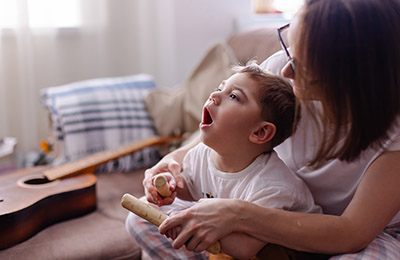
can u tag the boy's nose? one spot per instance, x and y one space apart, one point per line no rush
213 98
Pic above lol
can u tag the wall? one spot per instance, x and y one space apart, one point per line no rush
181 31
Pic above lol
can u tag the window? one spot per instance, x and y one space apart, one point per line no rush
288 7
40 13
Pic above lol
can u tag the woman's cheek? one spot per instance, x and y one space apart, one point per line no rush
299 93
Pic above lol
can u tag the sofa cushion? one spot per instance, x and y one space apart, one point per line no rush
261 41
101 114
98 235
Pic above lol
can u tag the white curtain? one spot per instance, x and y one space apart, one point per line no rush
33 58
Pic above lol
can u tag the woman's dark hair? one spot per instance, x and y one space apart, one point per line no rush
349 54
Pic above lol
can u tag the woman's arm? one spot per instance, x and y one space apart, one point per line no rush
172 163
237 245
375 203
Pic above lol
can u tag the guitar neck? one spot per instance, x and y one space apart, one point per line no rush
97 159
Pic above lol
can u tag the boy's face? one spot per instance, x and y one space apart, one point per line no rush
231 114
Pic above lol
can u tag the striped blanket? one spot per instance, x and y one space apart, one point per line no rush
101 114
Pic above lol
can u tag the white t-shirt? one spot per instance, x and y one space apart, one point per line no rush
334 183
266 181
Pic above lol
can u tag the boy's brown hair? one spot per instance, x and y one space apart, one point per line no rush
276 99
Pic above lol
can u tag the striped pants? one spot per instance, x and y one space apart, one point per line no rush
155 246
385 246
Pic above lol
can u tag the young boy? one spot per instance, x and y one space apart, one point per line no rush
243 120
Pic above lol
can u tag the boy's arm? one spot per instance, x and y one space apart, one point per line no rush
172 163
249 245
184 193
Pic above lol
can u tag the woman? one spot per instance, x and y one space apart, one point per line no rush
345 67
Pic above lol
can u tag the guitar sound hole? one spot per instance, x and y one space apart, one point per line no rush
37 181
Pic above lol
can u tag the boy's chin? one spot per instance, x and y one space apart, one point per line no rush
204 139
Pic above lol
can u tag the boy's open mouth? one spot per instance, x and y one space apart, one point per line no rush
207 119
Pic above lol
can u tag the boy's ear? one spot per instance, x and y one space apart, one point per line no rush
264 133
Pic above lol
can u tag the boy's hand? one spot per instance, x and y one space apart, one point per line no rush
161 183
167 164
152 193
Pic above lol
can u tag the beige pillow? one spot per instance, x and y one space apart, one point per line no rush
165 107
179 110
256 42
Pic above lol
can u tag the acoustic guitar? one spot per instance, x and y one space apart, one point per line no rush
32 199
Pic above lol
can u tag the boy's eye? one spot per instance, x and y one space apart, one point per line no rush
233 96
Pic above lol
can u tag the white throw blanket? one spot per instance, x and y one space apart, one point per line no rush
101 114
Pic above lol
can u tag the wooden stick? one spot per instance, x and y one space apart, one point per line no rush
143 210
162 186
154 216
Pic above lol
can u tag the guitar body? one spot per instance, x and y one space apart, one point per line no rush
30 203
34 198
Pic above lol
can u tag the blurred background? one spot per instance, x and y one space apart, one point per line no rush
45 43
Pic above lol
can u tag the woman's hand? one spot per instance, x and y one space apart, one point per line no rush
203 224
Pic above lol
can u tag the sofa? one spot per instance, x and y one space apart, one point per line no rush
101 233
